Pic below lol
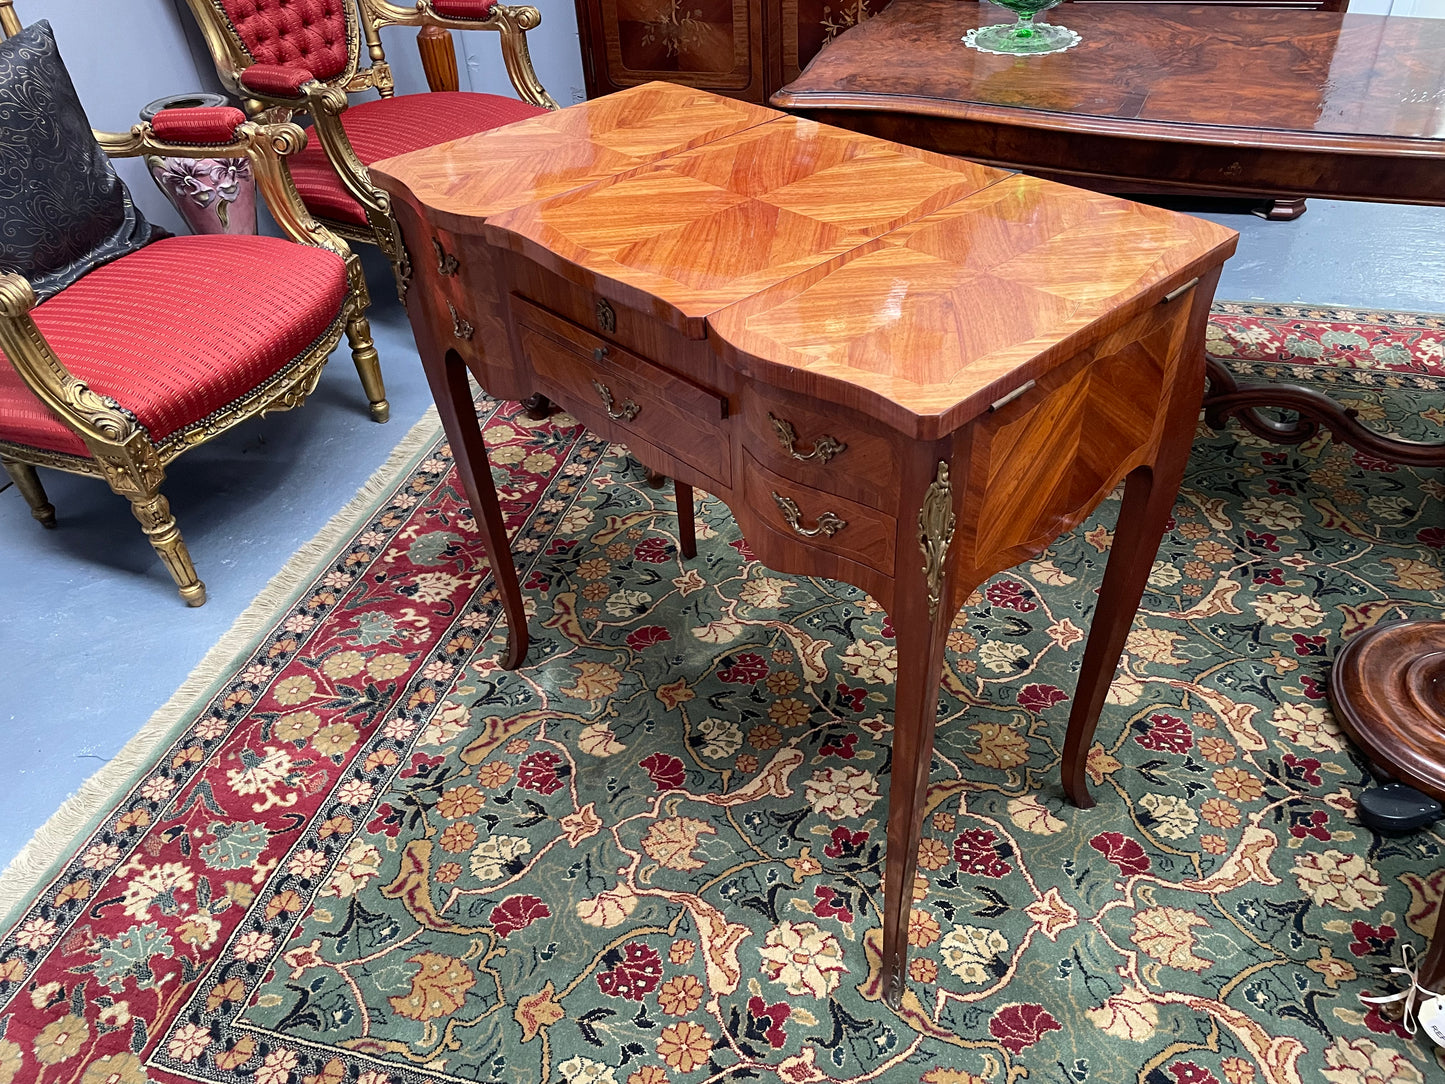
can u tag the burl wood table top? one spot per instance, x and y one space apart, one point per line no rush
1316 73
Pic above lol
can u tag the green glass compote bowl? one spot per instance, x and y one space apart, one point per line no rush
1025 36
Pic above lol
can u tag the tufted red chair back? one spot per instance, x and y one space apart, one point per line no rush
315 34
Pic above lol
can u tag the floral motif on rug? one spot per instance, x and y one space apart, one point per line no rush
654 852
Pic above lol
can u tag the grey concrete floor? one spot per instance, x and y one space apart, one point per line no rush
94 638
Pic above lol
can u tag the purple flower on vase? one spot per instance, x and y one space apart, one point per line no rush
227 175
187 178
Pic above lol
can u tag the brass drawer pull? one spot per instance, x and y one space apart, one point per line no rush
824 448
460 328
624 413
447 264
828 523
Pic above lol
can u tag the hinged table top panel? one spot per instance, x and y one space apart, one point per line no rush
927 325
1305 75
909 285
696 231
464 181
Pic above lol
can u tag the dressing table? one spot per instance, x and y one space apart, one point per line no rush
900 370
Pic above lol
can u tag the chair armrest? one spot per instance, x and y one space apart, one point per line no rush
464 9
202 126
264 145
512 22
278 81
97 419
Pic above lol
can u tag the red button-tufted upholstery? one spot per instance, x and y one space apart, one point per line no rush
391 126
179 329
308 33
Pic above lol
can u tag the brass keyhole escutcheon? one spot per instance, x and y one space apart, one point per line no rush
606 317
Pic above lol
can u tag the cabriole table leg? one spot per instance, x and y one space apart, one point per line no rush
447 378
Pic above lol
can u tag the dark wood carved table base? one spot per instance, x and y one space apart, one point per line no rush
1388 690
1227 398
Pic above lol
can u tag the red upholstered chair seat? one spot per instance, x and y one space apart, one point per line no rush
179 329
391 126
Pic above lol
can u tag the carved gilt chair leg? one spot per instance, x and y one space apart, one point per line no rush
28 483
368 365
154 513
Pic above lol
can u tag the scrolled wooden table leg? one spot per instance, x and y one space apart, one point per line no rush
452 392
1316 411
1142 517
1432 969
1149 495
686 519
922 611
920 642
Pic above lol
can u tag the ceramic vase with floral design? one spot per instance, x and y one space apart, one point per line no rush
213 195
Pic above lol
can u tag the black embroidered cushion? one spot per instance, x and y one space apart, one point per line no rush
63 210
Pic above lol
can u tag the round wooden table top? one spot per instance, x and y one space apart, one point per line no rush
1388 690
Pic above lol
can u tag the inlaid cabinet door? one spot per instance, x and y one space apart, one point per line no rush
807 26
713 44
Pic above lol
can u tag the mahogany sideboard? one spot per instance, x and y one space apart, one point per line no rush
746 49
898 369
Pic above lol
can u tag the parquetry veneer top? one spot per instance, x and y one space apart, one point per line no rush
915 287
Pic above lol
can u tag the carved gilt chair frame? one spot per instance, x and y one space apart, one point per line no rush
121 451
324 100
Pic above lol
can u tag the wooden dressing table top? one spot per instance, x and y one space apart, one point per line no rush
480 175
911 286
899 369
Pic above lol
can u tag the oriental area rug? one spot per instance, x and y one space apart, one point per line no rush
355 851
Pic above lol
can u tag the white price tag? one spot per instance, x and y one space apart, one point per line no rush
1431 1017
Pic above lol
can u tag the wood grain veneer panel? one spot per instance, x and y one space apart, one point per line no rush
1036 467
704 228
464 181
866 537
926 326
624 396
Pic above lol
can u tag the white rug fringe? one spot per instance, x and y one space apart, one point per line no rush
58 835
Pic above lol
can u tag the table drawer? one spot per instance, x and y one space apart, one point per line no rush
818 520
623 396
819 449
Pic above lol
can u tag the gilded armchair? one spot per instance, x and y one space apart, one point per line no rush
304 57
167 346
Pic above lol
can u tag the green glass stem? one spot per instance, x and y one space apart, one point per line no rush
1024 28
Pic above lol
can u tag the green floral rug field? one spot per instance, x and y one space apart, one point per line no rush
370 856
